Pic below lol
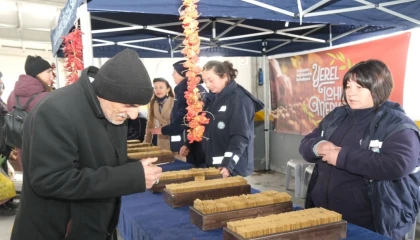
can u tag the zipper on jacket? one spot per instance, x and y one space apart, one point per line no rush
329 174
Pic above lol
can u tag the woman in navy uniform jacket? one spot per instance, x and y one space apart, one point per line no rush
366 156
230 133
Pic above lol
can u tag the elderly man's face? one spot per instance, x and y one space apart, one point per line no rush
117 113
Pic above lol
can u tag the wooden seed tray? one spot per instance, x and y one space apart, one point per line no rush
142 149
157 188
218 220
187 199
161 159
331 231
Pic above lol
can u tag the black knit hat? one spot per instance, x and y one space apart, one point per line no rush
35 65
179 68
124 79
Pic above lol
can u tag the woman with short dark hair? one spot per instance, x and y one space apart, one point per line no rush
229 137
366 156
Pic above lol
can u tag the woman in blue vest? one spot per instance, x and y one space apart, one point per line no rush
366 156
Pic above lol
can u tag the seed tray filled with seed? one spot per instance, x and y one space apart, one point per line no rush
184 194
163 155
308 224
213 214
181 176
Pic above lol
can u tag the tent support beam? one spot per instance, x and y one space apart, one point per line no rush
281 45
247 35
144 40
301 36
171 32
103 44
85 26
213 29
117 29
101 41
240 49
229 28
228 47
343 10
301 28
381 6
330 41
315 6
133 25
277 40
245 26
267 111
347 33
368 5
144 48
276 9
244 42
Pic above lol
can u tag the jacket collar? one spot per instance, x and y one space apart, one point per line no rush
86 84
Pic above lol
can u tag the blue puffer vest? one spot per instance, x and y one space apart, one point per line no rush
395 203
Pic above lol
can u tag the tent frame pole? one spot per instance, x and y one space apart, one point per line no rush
267 108
267 6
144 48
230 28
347 33
86 27
289 41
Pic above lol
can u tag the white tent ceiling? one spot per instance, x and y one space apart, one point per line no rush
26 24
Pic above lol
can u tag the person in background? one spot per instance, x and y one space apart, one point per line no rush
160 108
75 154
176 130
8 208
229 137
36 81
366 156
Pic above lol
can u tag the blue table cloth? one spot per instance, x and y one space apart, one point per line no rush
146 216
175 166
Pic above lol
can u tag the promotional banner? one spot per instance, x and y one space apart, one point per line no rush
305 88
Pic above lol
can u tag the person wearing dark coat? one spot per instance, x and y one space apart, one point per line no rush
75 154
366 156
229 137
176 130
36 82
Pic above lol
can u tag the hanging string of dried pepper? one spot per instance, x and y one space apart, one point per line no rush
73 52
53 67
195 116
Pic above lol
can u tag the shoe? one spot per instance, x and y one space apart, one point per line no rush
12 205
7 212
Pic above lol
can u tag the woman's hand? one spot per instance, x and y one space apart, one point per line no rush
324 147
184 151
157 131
331 156
224 171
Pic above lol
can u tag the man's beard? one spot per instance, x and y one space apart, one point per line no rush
118 115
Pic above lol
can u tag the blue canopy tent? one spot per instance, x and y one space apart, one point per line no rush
236 27
241 27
